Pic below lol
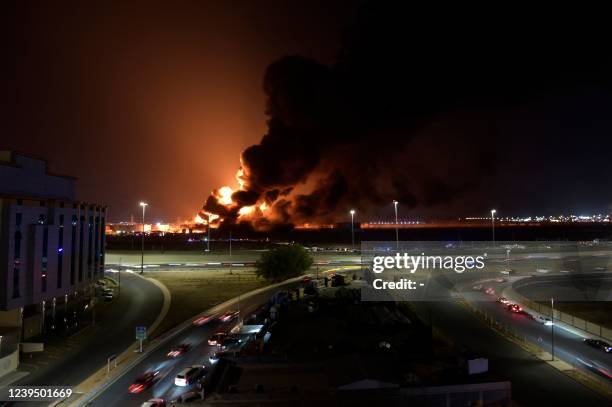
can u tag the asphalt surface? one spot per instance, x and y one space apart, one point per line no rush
568 343
534 382
140 303
197 336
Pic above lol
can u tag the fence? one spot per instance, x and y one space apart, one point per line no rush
543 309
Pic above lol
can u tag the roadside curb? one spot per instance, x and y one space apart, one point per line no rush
166 305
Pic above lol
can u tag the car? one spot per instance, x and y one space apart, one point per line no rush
503 300
306 279
143 381
477 287
228 316
214 358
228 342
189 375
490 291
188 397
500 280
214 340
543 320
199 321
154 403
178 351
599 344
515 308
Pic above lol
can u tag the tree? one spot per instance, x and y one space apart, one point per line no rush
283 262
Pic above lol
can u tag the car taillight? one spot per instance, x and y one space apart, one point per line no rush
136 388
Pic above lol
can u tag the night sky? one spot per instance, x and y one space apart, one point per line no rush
450 114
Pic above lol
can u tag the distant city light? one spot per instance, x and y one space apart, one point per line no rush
193 226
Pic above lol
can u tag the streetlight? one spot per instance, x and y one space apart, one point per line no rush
552 327
352 212
396 226
208 238
493 212
144 206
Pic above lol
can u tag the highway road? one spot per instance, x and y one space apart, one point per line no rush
510 359
116 394
568 342
140 303
534 383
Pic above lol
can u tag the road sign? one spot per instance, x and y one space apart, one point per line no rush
141 332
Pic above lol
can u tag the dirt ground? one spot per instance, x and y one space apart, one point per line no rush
197 290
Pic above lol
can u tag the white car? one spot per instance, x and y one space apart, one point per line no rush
543 320
188 375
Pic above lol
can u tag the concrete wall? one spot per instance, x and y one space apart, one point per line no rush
9 363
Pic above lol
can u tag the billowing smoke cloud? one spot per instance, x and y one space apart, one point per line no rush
405 114
315 163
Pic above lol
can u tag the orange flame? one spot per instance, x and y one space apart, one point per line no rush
246 210
241 179
225 195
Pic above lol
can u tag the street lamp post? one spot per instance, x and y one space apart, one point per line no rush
493 212
396 226
353 228
144 206
552 327
208 238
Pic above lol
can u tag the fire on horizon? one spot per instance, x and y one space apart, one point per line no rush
199 225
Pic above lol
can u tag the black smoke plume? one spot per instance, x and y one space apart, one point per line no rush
411 112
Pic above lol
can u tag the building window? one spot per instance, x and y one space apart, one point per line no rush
43 266
102 238
17 256
89 247
96 244
81 232
17 248
60 251
72 248
15 282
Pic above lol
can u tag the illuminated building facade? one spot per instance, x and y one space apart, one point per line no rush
51 249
